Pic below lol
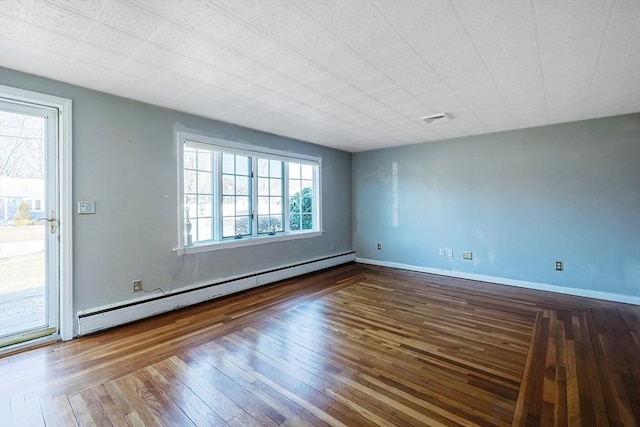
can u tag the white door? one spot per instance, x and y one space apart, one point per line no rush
29 228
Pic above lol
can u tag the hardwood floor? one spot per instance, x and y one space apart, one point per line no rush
354 345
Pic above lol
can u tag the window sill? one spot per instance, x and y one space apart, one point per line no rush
245 241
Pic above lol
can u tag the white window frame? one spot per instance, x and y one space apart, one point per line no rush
247 149
31 202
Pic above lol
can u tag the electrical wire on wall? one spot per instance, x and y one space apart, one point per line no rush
172 279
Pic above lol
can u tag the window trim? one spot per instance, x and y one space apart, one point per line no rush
245 149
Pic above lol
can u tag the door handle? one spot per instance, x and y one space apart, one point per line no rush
52 221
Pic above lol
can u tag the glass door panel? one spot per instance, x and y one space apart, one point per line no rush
28 227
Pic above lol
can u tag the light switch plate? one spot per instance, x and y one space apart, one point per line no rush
87 207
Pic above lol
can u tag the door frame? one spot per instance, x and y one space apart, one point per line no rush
65 214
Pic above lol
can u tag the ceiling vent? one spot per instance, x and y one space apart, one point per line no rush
436 118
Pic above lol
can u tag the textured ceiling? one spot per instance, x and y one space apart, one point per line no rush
354 75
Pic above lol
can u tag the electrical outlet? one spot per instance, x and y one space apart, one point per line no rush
333 247
441 252
468 255
136 286
450 253
379 246
559 266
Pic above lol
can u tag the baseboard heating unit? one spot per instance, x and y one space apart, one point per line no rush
105 317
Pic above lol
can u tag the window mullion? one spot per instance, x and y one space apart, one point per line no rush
315 212
285 197
253 195
216 201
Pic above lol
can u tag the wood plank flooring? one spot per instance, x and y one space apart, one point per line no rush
354 345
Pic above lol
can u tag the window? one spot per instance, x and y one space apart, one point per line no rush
236 205
300 196
270 185
34 205
198 193
234 195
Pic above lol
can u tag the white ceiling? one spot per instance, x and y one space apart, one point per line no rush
354 75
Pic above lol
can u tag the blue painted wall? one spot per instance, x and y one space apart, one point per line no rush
124 158
520 200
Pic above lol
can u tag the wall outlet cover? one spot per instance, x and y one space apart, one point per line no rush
136 286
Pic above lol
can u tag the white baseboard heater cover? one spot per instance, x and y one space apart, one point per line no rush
97 319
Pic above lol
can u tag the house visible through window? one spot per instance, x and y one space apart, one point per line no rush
235 194
34 205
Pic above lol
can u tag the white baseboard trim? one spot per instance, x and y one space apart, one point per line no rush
99 318
628 299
